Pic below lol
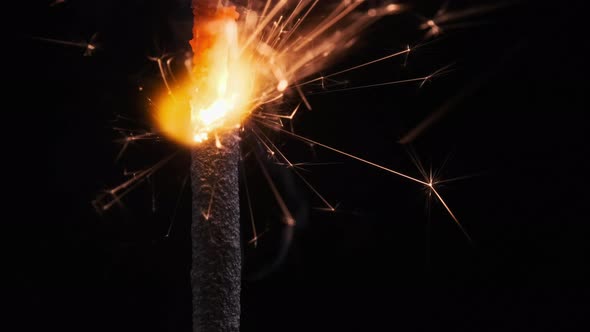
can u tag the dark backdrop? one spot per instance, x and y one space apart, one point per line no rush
516 119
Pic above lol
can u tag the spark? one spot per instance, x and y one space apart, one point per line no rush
293 168
444 16
113 196
452 102
303 97
299 165
129 139
445 20
387 57
418 163
308 140
158 60
450 212
250 210
270 151
88 47
283 84
428 184
410 80
290 117
265 22
433 28
169 67
328 23
289 220
255 239
207 214
177 205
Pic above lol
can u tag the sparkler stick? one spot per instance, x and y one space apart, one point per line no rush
215 231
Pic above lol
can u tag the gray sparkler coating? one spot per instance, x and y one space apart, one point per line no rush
216 254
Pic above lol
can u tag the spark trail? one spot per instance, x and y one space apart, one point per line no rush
429 183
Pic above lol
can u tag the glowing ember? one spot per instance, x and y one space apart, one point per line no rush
220 86
283 84
213 110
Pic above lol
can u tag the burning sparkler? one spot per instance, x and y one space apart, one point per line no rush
245 60
237 68
219 91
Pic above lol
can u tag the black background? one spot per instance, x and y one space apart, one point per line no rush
516 100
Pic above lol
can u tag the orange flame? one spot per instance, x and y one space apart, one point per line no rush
218 92
204 36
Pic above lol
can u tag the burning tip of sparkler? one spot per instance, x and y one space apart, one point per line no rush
218 95
240 65
200 137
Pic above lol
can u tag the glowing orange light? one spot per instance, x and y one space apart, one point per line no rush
219 91
392 7
238 66
283 84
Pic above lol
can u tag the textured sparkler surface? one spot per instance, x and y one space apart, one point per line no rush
215 231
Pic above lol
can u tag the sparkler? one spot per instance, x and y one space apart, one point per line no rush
217 263
233 75
236 70
245 60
